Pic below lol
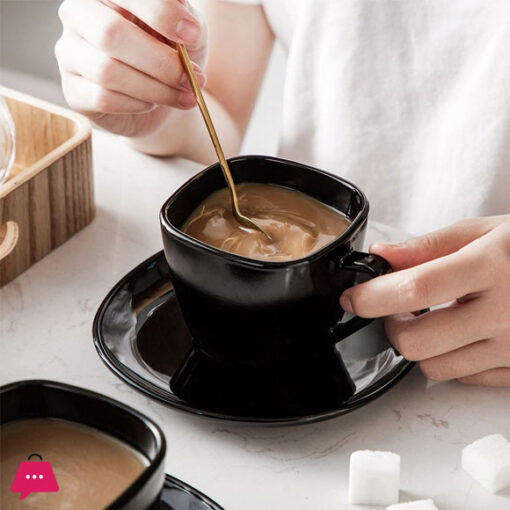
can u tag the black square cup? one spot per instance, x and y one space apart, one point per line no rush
24 400
258 317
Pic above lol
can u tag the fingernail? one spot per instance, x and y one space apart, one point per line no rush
186 100
346 304
187 31
186 84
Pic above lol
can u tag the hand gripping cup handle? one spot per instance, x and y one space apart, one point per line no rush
359 262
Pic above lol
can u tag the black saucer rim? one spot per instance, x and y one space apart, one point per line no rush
174 482
141 384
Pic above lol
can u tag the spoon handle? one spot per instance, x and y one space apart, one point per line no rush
243 220
207 118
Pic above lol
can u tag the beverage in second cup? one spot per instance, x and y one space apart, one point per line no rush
91 468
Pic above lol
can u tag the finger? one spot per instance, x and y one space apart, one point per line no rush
79 57
440 331
131 124
110 32
169 18
469 360
87 97
432 283
497 377
434 245
195 50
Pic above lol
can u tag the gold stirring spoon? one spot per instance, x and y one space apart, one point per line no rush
241 219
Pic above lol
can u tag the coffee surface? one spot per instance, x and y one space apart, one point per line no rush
91 468
297 223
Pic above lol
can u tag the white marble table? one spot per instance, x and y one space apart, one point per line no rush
45 332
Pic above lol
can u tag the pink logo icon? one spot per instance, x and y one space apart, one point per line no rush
34 476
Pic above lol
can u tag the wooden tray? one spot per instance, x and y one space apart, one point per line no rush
49 195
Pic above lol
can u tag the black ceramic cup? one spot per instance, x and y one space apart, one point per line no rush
253 313
47 399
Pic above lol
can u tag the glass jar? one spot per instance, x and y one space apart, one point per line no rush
7 141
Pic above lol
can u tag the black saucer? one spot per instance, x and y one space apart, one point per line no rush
141 336
178 495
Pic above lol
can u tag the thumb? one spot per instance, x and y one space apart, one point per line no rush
419 250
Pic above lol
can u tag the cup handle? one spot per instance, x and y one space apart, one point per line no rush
360 262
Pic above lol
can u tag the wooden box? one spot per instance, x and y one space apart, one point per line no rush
49 195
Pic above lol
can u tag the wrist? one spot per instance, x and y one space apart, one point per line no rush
157 135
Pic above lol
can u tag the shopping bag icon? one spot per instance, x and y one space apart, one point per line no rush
34 476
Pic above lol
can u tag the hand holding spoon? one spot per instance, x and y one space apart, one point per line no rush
241 219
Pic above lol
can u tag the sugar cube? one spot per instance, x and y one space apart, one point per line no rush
487 460
421 504
374 478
